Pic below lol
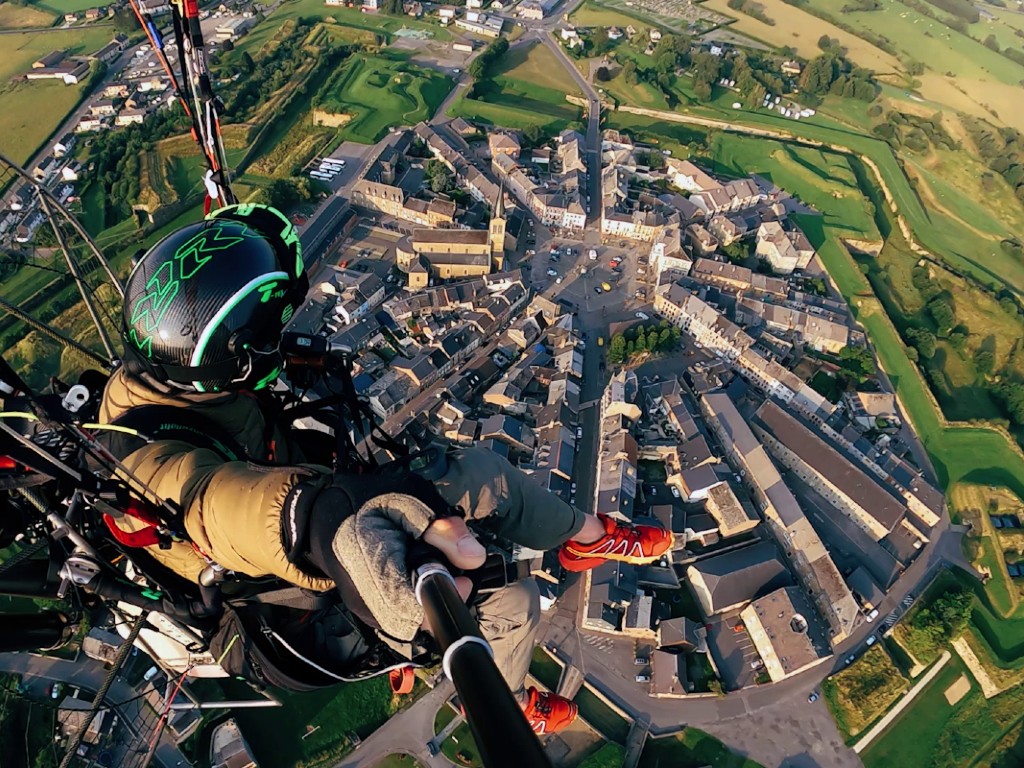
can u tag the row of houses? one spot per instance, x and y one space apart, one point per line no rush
559 200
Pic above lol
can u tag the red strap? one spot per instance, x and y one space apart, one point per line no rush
147 537
207 203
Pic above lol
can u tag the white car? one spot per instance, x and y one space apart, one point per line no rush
579 433
593 255
643 315
643 678
559 280
675 492
150 673
872 640
552 273
871 616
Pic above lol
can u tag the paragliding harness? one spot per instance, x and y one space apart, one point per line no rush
264 630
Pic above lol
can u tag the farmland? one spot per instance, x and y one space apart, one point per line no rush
23 17
800 30
524 90
381 92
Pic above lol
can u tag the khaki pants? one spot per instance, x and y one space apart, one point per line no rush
509 620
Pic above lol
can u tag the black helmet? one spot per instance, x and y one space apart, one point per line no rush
204 308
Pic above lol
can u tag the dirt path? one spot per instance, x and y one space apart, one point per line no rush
964 650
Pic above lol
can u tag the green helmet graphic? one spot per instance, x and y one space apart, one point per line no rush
204 308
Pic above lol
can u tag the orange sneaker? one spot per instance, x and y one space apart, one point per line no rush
635 544
549 713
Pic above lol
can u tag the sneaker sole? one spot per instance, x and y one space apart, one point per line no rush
579 565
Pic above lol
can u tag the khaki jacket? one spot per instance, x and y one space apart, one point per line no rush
232 509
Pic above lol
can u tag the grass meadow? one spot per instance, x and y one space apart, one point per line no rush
527 88
381 93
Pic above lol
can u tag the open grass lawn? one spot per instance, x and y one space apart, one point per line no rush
399 760
863 692
801 30
603 718
23 16
519 107
910 741
30 112
381 93
67 6
275 735
461 748
535 63
691 749
608 756
591 14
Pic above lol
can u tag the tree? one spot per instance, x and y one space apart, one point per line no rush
824 42
702 90
924 341
617 349
984 361
630 349
665 339
629 72
440 182
602 74
640 345
991 42
248 65
283 194
533 134
941 310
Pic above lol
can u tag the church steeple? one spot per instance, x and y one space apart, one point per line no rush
496 229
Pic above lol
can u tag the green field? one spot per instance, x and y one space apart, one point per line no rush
277 735
22 48
691 749
67 6
909 741
519 95
382 93
30 112
535 63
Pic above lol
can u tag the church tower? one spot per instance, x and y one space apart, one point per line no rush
496 230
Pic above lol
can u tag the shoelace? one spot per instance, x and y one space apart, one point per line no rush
542 706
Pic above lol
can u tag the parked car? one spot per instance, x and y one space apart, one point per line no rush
871 616
813 697
597 289
675 492
150 673
643 315
572 488
552 273
641 661
600 341
558 280
579 433
606 287
642 678
593 255
872 640
56 689
849 660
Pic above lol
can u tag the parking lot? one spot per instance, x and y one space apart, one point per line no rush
732 650
354 157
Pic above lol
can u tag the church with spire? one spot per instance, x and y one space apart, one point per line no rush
447 254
